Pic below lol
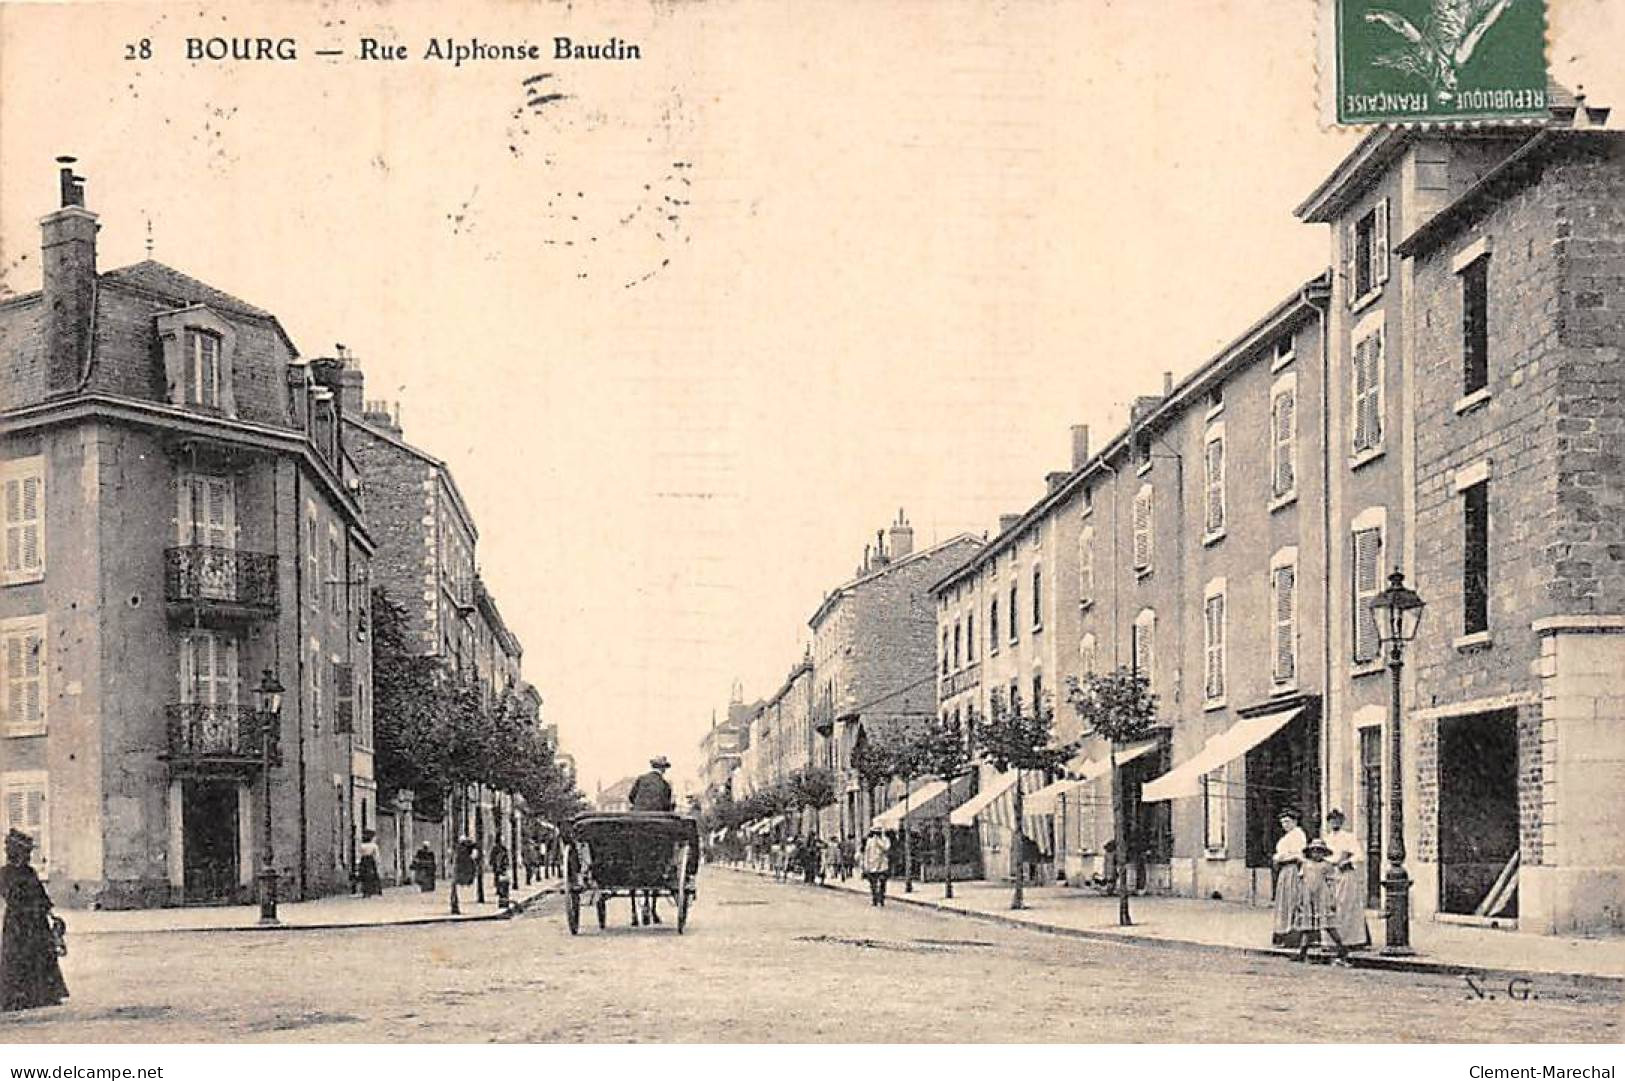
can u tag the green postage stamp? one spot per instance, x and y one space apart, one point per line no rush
1432 61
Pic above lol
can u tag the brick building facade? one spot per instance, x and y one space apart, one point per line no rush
181 516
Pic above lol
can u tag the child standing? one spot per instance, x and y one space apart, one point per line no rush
1317 907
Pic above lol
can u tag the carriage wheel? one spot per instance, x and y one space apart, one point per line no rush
682 888
603 911
573 911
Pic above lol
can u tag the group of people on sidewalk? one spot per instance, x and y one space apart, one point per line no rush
1319 888
814 859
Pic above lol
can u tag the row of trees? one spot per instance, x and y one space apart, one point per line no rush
810 789
1116 707
438 733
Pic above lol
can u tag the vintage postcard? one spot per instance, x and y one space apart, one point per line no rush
1086 522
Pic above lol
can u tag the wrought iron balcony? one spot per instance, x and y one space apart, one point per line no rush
220 581
228 737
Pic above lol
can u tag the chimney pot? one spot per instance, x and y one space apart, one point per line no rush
901 536
1167 383
1080 445
68 265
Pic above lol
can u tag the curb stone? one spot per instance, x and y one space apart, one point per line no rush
515 908
1372 962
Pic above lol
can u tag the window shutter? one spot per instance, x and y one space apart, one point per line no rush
1367 571
23 521
1142 528
1215 485
1379 244
1374 363
1285 429
1086 564
219 525
1213 685
1285 624
1351 248
14 525
343 698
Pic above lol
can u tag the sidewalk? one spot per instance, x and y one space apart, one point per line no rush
1219 925
397 906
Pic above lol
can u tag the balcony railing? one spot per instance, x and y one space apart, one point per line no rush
225 577
962 680
225 733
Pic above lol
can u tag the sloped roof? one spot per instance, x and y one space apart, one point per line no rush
879 572
154 276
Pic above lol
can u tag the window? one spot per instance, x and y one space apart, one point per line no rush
206 511
313 570
945 651
23 796
1284 438
1038 597
1145 633
1215 400
956 646
1475 562
1366 252
22 651
993 626
1086 566
1088 654
1213 806
1367 575
24 483
1368 377
1038 693
970 637
203 380
209 670
1475 330
1143 532
1015 626
1284 354
337 590
1213 642
1142 452
316 672
344 703
1213 486
1284 607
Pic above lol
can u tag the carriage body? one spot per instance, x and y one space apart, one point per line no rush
626 854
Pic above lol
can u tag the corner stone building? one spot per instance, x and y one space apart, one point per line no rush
179 517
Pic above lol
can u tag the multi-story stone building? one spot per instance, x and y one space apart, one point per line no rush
181 517
873 657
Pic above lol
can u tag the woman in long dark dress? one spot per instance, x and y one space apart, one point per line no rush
29 973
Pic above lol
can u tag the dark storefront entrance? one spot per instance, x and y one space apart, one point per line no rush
1283 771
1371 801
1478 808
1148 827
210 856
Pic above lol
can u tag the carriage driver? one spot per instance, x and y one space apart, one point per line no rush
650 792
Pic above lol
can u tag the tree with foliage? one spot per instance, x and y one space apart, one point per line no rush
945 753
1117 707
813 789
1018 737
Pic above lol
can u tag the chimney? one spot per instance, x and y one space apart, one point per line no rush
1007 522
68 255
1143 405
881 556
384 415
1054 480
901 536
1080 445
1167 383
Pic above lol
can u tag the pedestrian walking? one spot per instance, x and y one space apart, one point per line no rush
1348 882
466 864
423 868
1316 914
532 854
1288 862
29 944
848 857
500 865
810 861
877 864
366 870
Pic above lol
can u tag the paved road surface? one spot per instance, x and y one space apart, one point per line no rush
761 962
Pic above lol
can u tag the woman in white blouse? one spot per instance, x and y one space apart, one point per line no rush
1288 883
1347 860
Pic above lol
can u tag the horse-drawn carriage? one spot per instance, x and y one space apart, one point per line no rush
635 854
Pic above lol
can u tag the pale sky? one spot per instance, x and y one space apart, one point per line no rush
689 334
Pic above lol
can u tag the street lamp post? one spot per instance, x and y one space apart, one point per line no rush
268 703
1398 612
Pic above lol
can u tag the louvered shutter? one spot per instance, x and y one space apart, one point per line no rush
1215 485
1362 435
1351 249
1086 564
23 514
1286 661
1367 571
24 680
1213 685
1379 244
24 806
1373 395
1285 429
343 698
1142 528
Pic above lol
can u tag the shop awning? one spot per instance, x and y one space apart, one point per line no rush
1043 801
1185 779
965 814
768 825
924 801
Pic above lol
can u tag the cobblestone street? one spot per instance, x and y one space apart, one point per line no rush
760 962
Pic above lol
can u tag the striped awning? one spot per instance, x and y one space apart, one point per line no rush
965 814
1185 779
922 802
1090 770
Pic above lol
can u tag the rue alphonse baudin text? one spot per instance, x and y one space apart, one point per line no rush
455 51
